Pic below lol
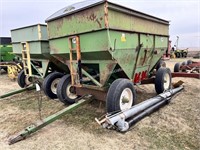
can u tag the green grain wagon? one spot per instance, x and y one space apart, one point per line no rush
31 43
108 48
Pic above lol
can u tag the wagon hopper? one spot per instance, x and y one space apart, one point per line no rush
31 44
107 48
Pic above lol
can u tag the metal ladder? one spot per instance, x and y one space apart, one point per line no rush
76 74
26 60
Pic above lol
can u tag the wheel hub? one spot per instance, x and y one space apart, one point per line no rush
27 80
54 85
166 81
70 92
126 99
72 89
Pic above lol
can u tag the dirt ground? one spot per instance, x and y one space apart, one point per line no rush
176 126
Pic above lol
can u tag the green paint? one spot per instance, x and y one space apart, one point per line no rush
91 78
17 91
36 36
77 23
37 48
104 40
106 69
29 33
124 52
117 44
134 21
45 66
89 42
42 123
6 53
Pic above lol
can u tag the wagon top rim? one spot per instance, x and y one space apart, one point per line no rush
76 7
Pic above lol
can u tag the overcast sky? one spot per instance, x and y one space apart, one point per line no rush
183 14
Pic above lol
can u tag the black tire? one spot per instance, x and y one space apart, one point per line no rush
5 69
184 54
160 80
21 79
63 84
183 63
47 83
182 66
178 55
177 67
189 62
160 64
114 94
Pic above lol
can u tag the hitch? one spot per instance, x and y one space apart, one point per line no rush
42 123
17 91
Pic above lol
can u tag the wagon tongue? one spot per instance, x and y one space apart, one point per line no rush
42 123
18 137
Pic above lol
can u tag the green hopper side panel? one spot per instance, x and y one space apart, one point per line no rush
97 47
36 36
37 49
130 21
90 43
92 19
36 32
110 35
100 15
131 59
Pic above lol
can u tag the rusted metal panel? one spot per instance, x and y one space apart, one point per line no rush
160 48
99 95
191 70
74 8
106 69
194 67
184 74
148 81
194 64
84 21
145 55
106 15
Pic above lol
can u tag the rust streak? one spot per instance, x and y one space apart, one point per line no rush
92 17
98 23
106 15
54 50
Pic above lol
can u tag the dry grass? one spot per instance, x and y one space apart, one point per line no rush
176 126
